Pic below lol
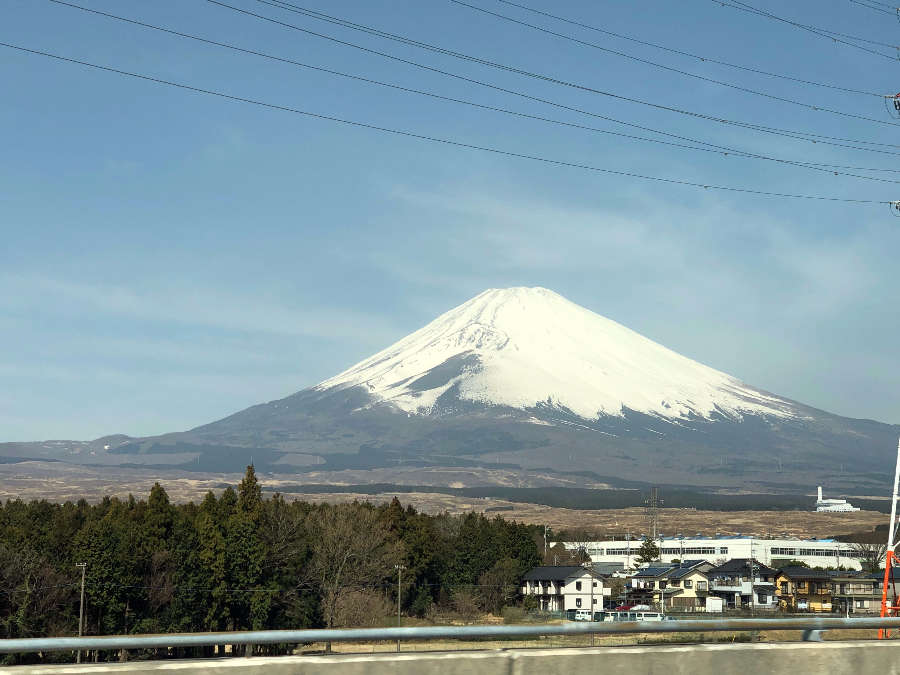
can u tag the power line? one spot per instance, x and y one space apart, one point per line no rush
447 52
876 2
683 53
260 589
797 135
736 4
37 588
659 65
303 589
440 140
877 9
711 148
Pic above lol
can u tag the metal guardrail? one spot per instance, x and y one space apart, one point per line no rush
809 625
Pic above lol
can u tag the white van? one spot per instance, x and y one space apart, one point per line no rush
582 615
633 616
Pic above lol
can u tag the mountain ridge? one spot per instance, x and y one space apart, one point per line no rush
522 380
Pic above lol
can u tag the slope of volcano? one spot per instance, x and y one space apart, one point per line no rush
519 386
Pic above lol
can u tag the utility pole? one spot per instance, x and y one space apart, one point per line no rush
399 569
83 567
545 543
628 549
590 567
752 575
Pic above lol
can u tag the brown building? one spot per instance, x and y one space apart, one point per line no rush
803 590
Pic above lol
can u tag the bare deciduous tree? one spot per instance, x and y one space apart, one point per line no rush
465 604
437 614
870 555
352 550
30 586
282 528
498 585
160 591
362 608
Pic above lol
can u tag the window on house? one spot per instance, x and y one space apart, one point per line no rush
578 602
688 583
595 584
701 585
595 601
663 584
723 550
675 583
763 599
784 587
577 585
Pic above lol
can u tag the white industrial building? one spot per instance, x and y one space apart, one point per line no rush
717 550
833 505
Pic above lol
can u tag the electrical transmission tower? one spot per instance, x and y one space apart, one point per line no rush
653 513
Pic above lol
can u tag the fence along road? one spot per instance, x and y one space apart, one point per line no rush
808 658
810 626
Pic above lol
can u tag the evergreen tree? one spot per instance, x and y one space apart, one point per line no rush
647 553
250 494
239 561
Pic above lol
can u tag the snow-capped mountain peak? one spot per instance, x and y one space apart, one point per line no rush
530 347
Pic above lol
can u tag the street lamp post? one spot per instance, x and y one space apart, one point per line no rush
590 567
83 567
399 569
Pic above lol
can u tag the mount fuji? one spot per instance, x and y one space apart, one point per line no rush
519 382
530 349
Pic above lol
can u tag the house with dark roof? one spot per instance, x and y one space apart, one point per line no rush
674 585
854 592
558 588
688 584
803 590
744 582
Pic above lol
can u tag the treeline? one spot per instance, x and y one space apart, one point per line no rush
567 497
241 562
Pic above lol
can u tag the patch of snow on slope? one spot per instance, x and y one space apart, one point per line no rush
523 347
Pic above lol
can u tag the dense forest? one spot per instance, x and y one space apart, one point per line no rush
240 562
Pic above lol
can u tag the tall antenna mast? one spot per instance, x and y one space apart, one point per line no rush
653 512
890 559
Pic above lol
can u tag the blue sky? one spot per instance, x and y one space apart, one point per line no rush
168 257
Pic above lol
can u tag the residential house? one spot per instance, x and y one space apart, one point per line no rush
681 585
856 592
744 583
804 590
558 588
648 584
689 586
